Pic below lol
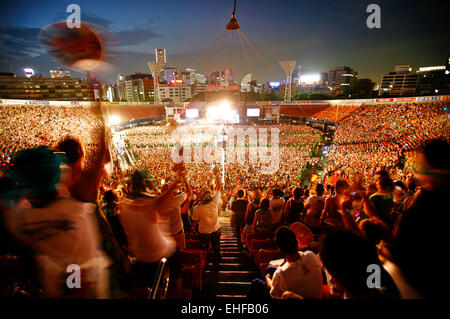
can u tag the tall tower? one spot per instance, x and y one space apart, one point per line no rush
155 68
288 67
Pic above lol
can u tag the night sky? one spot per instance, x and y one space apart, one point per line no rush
319 34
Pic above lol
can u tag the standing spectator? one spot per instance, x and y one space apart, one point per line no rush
314 206
238 209
139 217
330 215
294 208
206 215
382 201
276 207
170 222
262 223
62 230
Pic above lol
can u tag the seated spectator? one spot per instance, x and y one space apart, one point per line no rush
301 274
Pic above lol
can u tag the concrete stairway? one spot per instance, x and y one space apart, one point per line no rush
232 277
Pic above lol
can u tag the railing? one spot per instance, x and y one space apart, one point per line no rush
162 269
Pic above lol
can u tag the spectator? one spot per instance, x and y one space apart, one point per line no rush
346 258
206 215
262 223
238 209
314 206
293 210
300 274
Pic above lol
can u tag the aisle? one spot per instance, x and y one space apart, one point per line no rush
232 277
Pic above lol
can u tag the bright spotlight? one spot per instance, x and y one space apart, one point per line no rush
114 120
222 112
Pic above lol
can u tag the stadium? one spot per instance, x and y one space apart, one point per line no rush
143 190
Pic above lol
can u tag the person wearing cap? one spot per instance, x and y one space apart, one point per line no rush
61 229
206 215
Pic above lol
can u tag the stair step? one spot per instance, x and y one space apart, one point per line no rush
231 296
232 288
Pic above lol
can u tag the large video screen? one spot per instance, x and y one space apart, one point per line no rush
192 113
253 112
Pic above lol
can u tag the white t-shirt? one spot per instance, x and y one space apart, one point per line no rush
208 215
63 233
303 277
276 207
139 219
170 221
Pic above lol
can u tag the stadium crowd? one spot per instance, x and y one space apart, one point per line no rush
384 205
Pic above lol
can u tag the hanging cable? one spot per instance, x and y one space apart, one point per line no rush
259 55
209 47
215 51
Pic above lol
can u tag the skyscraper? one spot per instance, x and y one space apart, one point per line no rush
160 55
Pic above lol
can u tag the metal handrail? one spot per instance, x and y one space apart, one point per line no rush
159 273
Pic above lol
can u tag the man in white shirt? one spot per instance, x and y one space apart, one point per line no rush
206 215
301 274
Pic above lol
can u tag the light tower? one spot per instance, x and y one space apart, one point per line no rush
288 67
155 68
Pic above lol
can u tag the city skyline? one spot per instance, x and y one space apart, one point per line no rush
318 39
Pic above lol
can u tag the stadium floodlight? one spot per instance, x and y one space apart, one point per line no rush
114 120
288 68
222 112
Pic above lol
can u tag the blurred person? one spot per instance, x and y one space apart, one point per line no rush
206 215
111 212
139 218
345 258
171 223
422 227
62 230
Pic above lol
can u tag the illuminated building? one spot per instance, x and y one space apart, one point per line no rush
342 78
139 87
43 88
59 73
401 82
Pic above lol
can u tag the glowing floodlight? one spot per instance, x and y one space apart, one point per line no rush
114 120
222 112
